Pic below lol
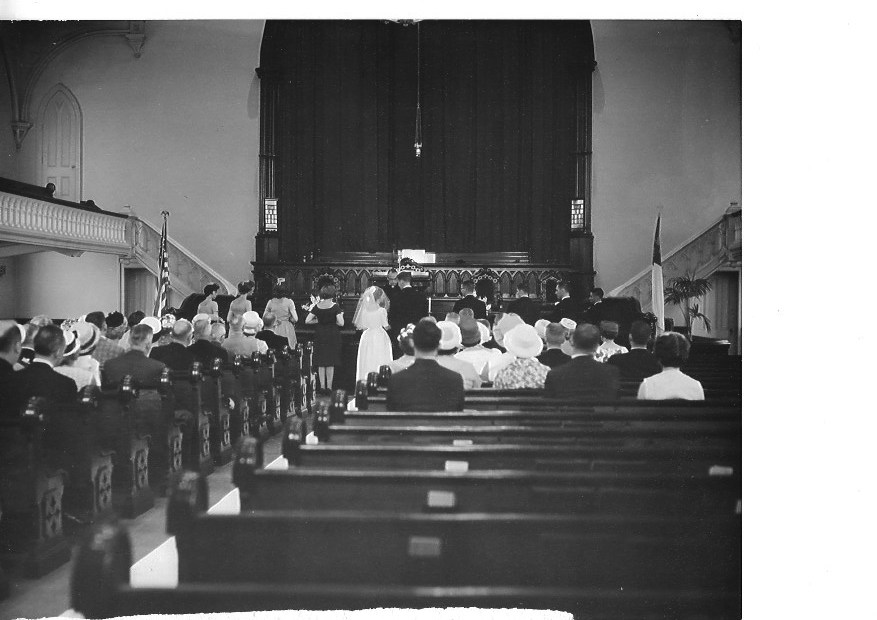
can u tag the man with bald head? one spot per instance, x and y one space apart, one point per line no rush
176 354
204 350
267 334
583 377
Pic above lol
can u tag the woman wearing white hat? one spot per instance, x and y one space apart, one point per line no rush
525 371
448 346
88 335
81 376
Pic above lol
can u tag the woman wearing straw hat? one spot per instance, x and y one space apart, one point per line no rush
81 376
525 371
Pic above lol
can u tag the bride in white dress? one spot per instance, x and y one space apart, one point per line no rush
375 349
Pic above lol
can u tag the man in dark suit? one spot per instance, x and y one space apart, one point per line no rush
409 306
469 300
176 354
274 341
391 290
566 307
583 378
553 356
639 363
39 378
10 350
529 310
425 385
135 362
203 349
596 312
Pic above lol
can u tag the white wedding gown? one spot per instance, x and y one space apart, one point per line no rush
375 349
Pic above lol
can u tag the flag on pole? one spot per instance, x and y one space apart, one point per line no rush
658 278
164 280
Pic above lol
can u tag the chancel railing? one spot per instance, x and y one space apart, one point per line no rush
353 272
719 247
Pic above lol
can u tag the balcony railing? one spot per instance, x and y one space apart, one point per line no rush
33 223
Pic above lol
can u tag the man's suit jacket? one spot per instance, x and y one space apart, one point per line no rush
273 340
409 307
205 352
553 358
567 308
39 379
637 364
596 314
174 355
583 378
144 370
471 301
391 292
425 386
529 310
7 385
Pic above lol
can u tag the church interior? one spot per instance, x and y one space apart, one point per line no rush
312 155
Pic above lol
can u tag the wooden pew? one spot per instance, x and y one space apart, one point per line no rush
605 433
490 491
287 374
484 399
126 433
215 407
31 494
235 399
567 413
559 457
186 390
100 589
88 492
253 385
461 549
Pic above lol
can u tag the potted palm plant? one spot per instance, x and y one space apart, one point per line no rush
681 291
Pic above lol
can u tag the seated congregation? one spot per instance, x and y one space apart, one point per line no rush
618 495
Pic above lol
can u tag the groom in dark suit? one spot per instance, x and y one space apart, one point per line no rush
469 300
409 306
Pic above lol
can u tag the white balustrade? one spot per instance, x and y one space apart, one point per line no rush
30 220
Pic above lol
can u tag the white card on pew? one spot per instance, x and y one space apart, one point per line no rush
424 547
739 509
441 499
457 466
721 470
311 439
462 442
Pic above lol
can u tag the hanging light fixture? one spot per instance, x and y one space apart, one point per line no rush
418 131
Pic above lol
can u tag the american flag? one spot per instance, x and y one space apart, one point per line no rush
658 278
164 280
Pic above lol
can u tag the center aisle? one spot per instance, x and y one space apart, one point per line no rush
158 569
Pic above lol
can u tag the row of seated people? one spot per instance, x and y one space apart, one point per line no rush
434 371
56 362
67 458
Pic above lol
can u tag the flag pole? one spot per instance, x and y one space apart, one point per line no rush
658 275
163 273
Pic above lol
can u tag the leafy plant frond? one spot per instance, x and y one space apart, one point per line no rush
695 313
